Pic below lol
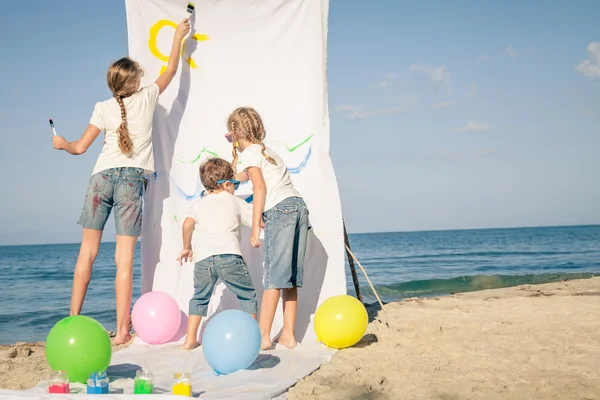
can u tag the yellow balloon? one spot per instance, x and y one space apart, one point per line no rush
341 321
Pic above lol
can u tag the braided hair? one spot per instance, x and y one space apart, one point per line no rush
245 122
123 79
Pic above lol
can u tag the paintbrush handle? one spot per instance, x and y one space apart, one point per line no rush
52 127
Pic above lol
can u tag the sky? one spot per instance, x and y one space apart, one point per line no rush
444 115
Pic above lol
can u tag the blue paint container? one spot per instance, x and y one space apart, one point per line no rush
97 383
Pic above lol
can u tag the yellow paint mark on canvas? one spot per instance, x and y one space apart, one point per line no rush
153 45
154 36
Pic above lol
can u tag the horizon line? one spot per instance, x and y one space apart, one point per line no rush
372 232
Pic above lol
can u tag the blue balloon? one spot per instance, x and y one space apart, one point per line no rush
231 341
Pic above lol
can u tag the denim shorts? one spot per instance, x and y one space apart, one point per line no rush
118 188
233 271
286 232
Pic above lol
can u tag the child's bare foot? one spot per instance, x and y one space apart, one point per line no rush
122 338
190 345
266 343
288 341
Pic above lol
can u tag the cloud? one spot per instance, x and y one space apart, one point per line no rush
389 79
348 108
473 126
472 89
588 69
444 104
445 155
591 68
360 112
439 76
509 51
382 84
483 58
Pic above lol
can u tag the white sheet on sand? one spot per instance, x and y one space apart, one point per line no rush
269 377
271 55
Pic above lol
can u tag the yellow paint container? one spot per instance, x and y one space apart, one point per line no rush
182 384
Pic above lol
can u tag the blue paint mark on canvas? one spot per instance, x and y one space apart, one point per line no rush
299 168
195 195
199 192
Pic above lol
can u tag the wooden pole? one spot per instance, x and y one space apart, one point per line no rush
351 263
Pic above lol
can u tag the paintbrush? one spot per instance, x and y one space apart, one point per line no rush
52 126
190 8
190 11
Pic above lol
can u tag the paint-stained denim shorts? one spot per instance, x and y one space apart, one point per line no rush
286 233
121 189
233 271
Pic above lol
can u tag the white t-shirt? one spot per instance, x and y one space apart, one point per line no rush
218 219
277 178
140 113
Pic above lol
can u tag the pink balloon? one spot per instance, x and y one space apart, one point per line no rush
156 317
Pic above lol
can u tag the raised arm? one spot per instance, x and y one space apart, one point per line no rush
79 146
166 77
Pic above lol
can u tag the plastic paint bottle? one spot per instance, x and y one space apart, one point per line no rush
97 383
59 383
182 384
144 382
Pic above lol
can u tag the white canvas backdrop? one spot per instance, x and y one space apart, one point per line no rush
270 55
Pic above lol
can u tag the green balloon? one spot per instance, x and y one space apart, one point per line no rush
78 345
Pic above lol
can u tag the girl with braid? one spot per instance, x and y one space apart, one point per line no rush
117 181
285 217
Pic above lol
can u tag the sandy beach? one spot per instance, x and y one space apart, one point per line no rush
24 365
526 342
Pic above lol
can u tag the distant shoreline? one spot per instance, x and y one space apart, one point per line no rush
363 233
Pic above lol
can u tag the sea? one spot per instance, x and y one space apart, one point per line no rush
35 281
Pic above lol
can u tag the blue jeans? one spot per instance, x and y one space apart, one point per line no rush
286 233
119 188
233 271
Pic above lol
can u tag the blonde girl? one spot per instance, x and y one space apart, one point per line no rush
285 219
117 181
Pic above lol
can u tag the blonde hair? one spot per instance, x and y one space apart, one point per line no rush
123 79
214 170
246 123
